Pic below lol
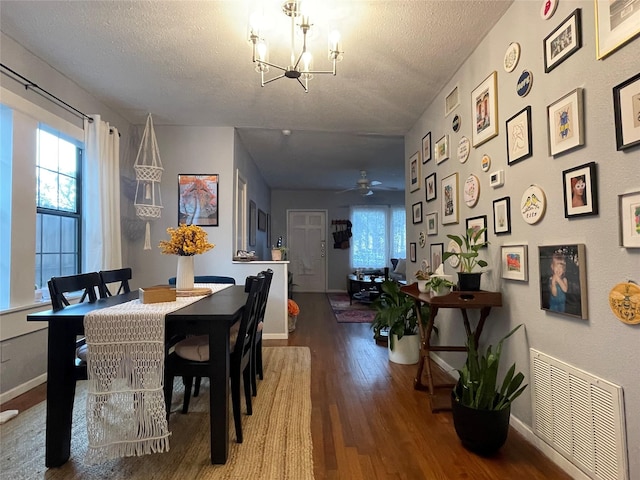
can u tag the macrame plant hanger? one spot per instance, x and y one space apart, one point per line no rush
148 167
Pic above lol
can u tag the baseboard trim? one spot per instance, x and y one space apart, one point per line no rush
275 336
24 388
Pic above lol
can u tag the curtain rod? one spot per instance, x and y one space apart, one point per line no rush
28 84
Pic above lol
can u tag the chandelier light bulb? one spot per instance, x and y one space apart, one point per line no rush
306 61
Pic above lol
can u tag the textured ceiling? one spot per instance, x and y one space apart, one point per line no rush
189 63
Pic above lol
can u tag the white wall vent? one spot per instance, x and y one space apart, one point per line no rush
581 416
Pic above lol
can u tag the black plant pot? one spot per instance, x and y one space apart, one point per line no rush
480 431
469 282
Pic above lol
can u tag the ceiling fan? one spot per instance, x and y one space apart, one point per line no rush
363 186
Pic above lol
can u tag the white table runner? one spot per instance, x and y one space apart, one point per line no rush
126 413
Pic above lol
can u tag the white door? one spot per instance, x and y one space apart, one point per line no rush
307 244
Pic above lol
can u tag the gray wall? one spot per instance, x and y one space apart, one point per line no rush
601 344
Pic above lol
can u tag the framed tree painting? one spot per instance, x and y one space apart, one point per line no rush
430 187
519 145
563 279
426 148
565 119
449 192
626 109
563 42
414 172
198 200
580 191
484 104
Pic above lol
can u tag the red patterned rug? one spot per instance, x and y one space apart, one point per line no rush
355 313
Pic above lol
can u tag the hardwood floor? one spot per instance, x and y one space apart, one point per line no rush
367 420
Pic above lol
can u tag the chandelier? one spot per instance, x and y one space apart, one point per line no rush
299 67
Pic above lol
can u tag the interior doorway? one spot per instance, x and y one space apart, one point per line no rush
307 243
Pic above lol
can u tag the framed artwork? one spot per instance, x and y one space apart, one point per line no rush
563 279
478 223
442 149
449 190
629 213
436 251
464 148
252 223
432 223
417 212
626 109
412 252
484 102
451 101
430 187
414 169
198 200
426 148
269 230
564 41
580 191
616 24
519 144
565 119
533 204
422 239
471 191
511 57
262 221
502 216
513 259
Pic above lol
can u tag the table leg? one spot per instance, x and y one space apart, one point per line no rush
425 334
219 392
61 387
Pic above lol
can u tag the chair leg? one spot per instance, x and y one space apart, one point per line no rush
253 373
188 383
168 392
259 359
196 390
246 379
235 402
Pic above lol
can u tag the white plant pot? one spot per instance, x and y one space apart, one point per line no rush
406 351
422 286
440 292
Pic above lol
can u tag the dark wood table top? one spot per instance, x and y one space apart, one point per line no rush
456 299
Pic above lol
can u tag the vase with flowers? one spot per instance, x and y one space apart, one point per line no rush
293 310
186 241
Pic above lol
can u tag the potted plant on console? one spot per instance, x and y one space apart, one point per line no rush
439 285
396 314
481 408
469 244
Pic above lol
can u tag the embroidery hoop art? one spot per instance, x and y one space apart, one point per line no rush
533 204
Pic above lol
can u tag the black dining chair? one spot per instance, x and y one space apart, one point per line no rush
122 275
256 358
208 279
190 359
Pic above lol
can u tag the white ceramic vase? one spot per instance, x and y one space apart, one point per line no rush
406 351
184 275
422 286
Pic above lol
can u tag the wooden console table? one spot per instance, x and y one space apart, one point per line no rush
480 300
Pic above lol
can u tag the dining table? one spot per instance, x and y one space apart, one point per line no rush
212 315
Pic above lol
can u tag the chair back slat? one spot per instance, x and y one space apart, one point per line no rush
88 283
246 332
208 279
122 275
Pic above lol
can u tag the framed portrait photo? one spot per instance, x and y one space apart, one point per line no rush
580 191
449 192
514 262
563 279
484 105
442 149
629 213
565 120
432 223
478 223
436 251
426 148
626 110
430 187
412 252
616 24
519 144
417 212
414 172
198 200
502 216
564 41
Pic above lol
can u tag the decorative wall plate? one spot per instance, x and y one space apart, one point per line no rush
624 300
511 57
548 9
453 247
525 82
533 204
485 163
471 190
464 147
455 123
422 239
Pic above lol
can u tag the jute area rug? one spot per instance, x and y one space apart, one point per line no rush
345 313
277 437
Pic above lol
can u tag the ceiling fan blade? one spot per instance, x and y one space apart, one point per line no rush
375 183
348 190
369 192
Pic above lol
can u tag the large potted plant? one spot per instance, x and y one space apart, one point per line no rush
395 313
469 244
481 406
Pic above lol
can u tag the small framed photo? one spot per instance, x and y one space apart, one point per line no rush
478 223
502 216
442 149
629 213
449 191
563 279
626 110
513 259
430 187
412 252
198 200
565 119
432 223
484 102
616 24
519 144
451 101
580 191
414 171
564 41
417 212
426 148
262 221
436 251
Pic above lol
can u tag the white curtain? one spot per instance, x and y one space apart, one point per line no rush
101 245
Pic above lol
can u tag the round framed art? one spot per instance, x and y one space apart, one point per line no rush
533 204
471 190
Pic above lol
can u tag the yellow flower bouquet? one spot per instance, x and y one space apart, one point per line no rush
186 240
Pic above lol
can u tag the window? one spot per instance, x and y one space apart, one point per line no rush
58 205
379 234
